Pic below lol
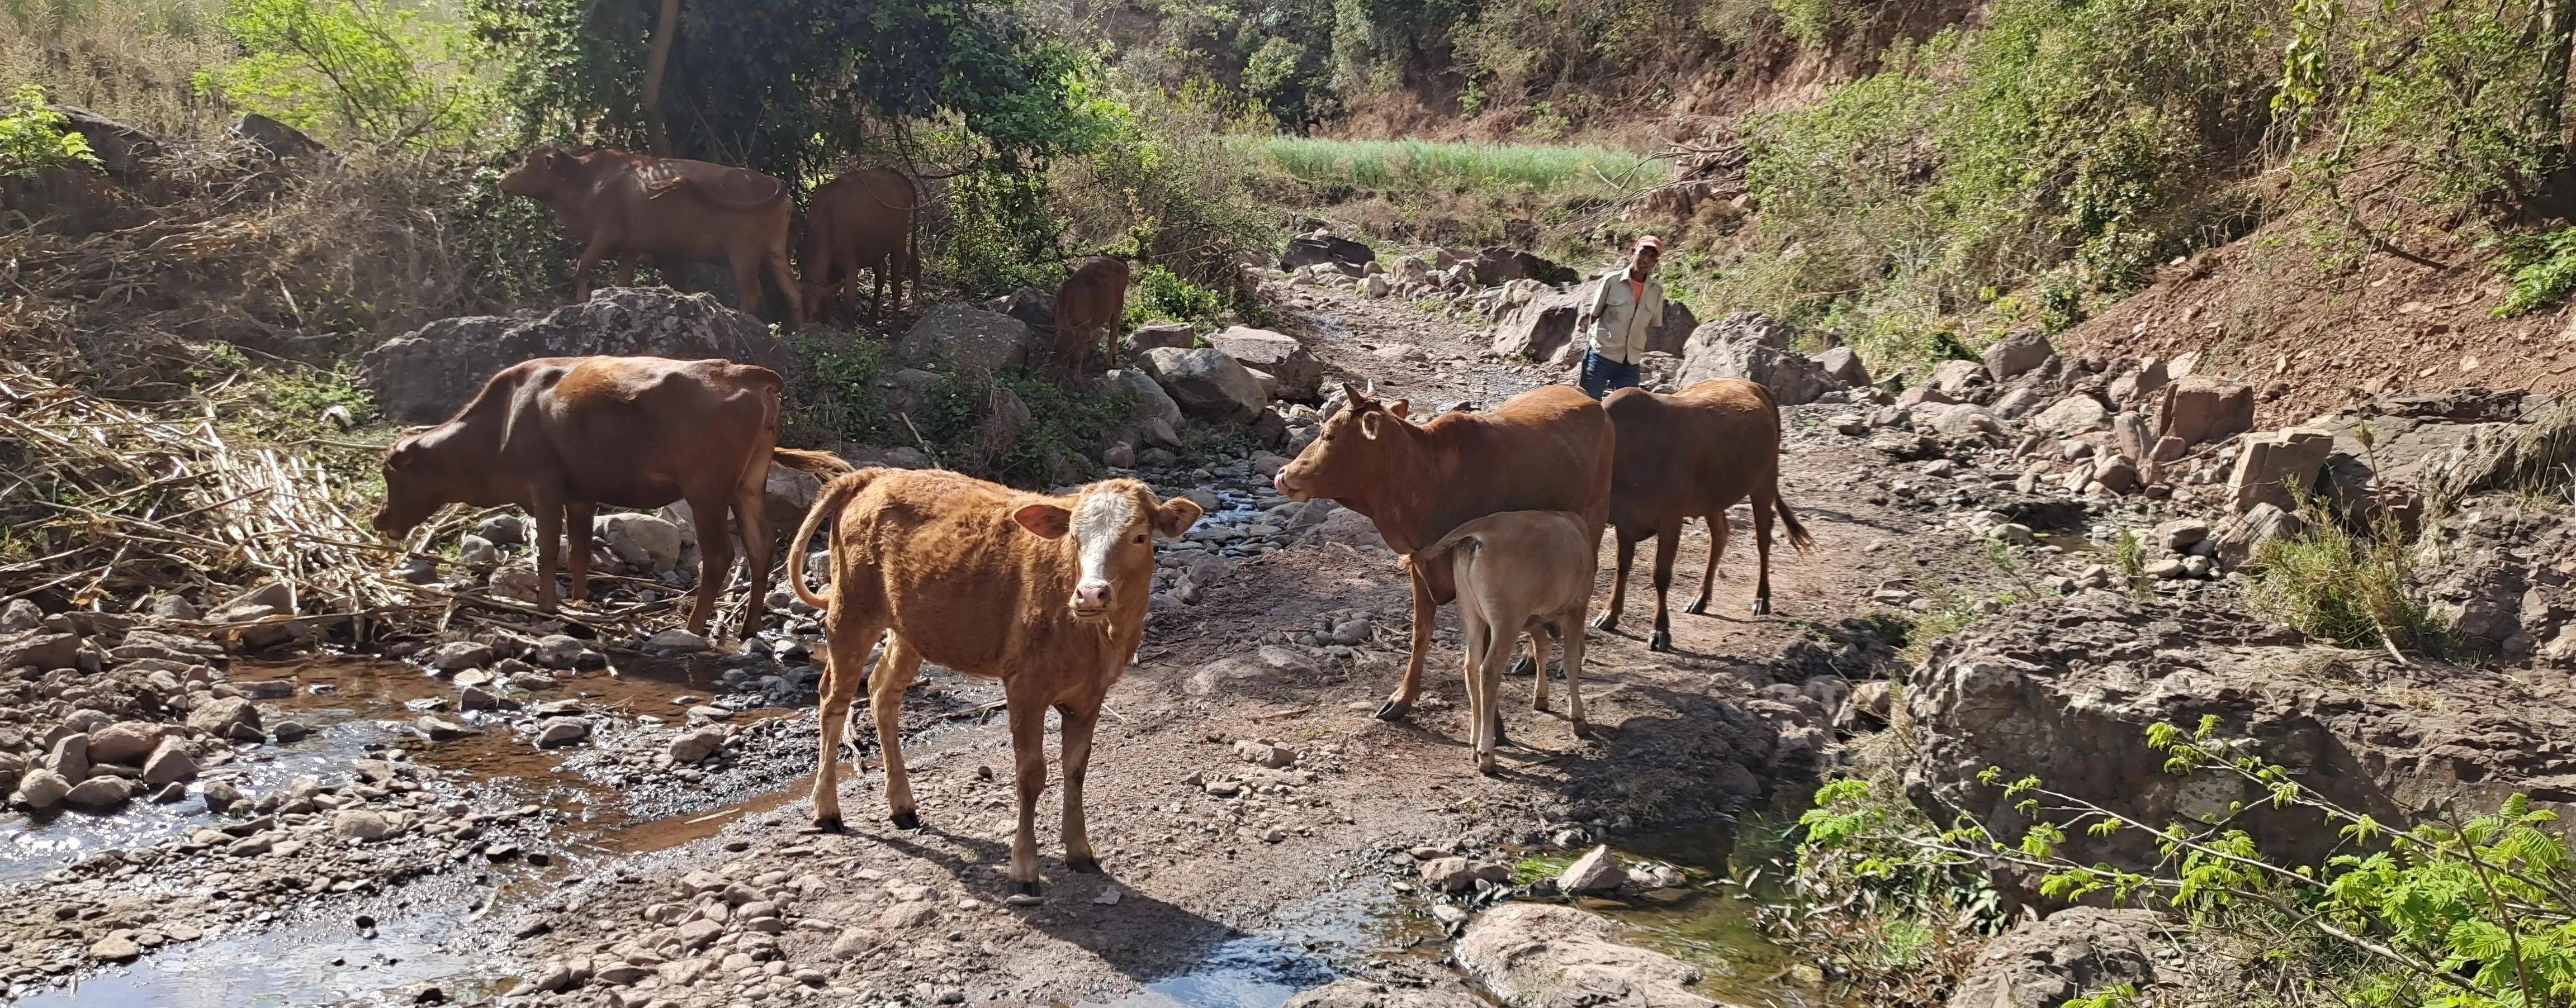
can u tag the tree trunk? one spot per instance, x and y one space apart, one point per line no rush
666 28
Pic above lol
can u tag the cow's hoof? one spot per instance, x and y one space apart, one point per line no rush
1522 665
1024 889
1582 728
1606 621
1392 711
829 824
907 821
1085 865
1762 607
1660 640
1698 608
1485 767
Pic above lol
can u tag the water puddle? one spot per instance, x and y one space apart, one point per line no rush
312 964
1710 924
1307 945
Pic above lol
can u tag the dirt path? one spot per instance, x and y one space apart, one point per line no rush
1228 882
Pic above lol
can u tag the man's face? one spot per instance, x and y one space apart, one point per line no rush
1645 259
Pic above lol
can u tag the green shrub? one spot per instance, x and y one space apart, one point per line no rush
374 74
1424 166
2542 269
2338 585
34 140
1162 294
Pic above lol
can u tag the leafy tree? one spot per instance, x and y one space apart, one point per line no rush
795 88
33 138
368 73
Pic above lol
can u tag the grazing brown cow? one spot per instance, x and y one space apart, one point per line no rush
675 210
559 436
1047 594
1547 449
1093 299
1690 454
1517 571
863 220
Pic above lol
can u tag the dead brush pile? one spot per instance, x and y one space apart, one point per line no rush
139 315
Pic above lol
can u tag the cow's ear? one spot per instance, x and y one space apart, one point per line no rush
1401 407
1047 520
1175 516
1353 393
1368 424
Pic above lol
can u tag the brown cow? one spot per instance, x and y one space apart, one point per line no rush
675 210
1047 594
867 220
559 436
1547 449
1517 571
1093 298
1694 453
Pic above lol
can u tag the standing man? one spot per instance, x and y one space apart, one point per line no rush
1628 304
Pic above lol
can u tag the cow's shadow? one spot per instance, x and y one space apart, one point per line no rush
1143 938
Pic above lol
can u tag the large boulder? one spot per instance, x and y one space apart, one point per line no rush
226 718
1152 403
2066 689
2200 408
2070 953
1843 364
1540 955
1321 246
1033 307
1181 335
276 139
1674 329
1299 374
966 339
39 648
2278 467
424 375
1206 382
1496 264
1539 327
2019 351
120 149
1743 345
2078 413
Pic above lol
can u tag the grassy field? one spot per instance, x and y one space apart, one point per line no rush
1423 166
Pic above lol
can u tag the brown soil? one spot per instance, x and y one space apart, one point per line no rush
2267 310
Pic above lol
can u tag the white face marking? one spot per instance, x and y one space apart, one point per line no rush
1099 522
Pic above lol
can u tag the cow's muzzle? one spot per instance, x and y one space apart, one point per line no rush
1091 600
1287 489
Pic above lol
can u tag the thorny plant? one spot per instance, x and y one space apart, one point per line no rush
2450 912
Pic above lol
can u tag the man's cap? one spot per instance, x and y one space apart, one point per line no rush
1650 242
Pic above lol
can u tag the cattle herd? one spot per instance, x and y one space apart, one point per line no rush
627 207
1500 511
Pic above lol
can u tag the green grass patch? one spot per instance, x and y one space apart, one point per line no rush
1424 166
1538 866
2348 587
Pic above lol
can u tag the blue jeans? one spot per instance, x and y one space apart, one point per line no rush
1601 375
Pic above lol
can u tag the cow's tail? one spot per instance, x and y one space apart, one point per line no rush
1797 533
812 463
834 496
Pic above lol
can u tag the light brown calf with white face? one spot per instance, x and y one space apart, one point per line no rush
1045 593
1517 571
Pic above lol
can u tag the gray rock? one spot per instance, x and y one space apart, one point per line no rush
422 377
2201 408
2019 351
2044 963
20 616
226 718
1740 346
644 543
1321 246
557 651
695 746
440 729
1496 265
361 824
1538 328
477 552
1152 335
43 649
2076 414
1539 955
562 731
1596 871
1299 374
100 794
2278 467
173 607
456 656
289 732
503 530
1206 382
125 742
170 763
278 140
1151 401
1843 364
41 789
966 339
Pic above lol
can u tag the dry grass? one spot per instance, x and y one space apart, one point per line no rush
129 60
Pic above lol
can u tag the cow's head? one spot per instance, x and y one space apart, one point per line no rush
416 485
541 172
1353 456
1113 524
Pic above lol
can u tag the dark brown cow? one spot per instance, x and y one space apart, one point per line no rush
1547 449
1093 299
675 210
863 220
1693 454
1047 594
559 436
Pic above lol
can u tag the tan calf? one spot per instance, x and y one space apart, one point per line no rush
1517 571
1045 593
